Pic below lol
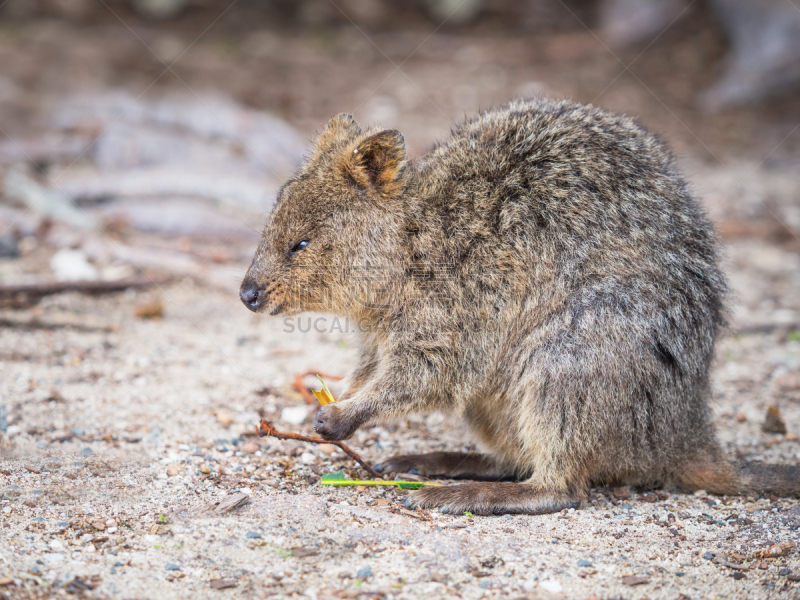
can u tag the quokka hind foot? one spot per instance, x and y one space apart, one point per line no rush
448 465
487 498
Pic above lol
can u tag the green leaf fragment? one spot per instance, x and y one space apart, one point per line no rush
403 485
338 479
329 477
410 485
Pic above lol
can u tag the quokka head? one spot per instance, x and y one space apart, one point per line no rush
335 228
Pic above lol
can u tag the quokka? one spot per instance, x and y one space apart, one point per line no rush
573 328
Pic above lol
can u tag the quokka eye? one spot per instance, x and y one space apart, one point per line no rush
299 246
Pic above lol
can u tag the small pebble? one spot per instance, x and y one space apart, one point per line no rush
364 572
633 580
294 415
172 567
253 534
708 556
551 586
621 493
326 448
172 470
784 571
584 563
86 452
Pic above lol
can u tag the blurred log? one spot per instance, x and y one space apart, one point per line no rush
28 294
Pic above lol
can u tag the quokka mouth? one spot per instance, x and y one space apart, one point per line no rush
277 309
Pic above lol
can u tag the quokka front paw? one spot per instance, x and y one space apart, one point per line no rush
447 465
333 423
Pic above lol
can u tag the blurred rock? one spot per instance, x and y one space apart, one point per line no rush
774 421
183 129
72 265
46 201
159 9
764 59
454 12
178 164
9 244
294 415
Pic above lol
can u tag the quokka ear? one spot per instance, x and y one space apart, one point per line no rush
379 162
340 129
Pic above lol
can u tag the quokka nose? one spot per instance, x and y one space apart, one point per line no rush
251 296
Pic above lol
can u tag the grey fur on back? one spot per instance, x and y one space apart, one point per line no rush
573 234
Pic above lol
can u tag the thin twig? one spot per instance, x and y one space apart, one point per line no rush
303 389
265 428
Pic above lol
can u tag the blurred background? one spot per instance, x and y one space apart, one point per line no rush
138 135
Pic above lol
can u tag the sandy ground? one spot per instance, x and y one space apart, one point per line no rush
124 436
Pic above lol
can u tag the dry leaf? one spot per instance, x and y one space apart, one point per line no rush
324 396
775 550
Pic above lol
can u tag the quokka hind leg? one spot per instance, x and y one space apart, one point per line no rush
448 465
493 499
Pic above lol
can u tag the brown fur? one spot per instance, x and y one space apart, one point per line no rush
544 273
